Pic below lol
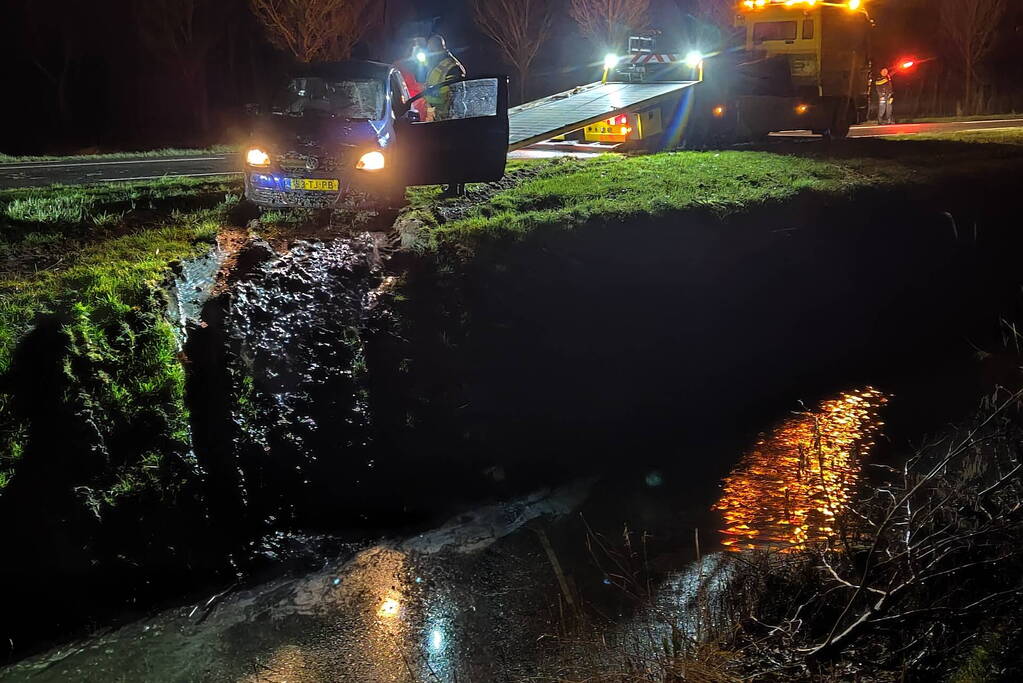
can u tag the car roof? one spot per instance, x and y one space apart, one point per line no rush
353 68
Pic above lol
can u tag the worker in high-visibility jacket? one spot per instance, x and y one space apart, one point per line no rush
443 68
885 97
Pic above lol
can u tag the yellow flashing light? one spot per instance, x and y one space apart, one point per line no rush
855 4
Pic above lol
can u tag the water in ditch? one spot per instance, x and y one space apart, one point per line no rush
482 596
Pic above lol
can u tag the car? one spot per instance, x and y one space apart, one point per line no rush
348 132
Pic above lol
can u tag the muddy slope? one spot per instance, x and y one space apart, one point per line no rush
322 398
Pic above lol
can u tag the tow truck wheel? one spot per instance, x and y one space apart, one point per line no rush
844 114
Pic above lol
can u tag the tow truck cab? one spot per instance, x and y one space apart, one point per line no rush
806 65
348 131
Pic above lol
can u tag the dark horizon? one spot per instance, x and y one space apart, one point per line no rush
84 78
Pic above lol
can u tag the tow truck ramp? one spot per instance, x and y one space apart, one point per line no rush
551 116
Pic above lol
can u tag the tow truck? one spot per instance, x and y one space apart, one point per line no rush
795 65
806 65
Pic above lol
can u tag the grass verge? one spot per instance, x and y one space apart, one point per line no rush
216 150
568 193
93 259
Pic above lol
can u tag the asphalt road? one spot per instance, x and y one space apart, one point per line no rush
42 173
875 131
35 174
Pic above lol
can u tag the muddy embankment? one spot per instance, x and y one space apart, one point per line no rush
344 388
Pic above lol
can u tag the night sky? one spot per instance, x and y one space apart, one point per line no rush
82 76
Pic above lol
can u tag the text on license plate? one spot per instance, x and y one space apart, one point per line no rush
321 184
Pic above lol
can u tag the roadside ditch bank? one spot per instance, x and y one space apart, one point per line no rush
323 395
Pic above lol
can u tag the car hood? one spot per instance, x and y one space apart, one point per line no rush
309 133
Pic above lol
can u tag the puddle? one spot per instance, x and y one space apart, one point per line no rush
788 489
444 605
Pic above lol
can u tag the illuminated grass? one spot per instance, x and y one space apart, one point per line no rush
1008 136
111 247
569 193
75 206
611 188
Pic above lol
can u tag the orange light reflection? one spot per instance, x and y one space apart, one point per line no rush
787 491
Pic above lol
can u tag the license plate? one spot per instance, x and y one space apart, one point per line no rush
314 184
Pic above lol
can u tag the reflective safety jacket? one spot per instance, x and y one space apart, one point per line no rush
883 85
447 69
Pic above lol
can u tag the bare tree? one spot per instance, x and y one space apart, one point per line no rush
610 21
720 13
181 33
317 30
519 27
970 26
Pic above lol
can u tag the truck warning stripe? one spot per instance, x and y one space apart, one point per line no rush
659 59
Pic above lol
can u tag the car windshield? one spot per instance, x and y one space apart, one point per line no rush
355 98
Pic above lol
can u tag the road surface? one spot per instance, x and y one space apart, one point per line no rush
875 131
79 172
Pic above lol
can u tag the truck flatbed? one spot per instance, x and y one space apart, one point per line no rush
551 116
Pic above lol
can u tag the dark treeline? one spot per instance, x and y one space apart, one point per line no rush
120 74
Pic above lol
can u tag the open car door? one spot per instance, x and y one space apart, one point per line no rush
467 139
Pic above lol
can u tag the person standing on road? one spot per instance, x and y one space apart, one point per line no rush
444 68
885 97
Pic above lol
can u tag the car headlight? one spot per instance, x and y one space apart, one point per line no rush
371 161
257 157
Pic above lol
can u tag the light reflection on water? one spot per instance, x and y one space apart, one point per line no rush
787 491
388 626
